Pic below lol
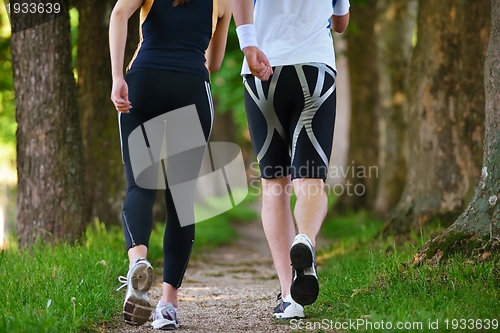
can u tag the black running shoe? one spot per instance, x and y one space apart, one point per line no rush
305 286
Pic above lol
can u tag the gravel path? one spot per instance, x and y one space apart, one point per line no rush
231 289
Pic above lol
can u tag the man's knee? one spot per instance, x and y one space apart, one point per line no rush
308 186
277 186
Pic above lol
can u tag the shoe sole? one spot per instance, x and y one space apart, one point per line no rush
305 288
301 256
137 310
142 279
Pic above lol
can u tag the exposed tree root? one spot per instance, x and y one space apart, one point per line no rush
472 246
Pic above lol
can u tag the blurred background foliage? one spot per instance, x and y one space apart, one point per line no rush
7 105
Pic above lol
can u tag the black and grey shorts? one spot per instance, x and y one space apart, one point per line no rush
291 120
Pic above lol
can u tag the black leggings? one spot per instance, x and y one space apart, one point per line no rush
153 93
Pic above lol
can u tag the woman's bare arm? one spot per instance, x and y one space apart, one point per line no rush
217 46
117 39
118 33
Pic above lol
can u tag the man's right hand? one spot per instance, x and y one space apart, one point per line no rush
258 63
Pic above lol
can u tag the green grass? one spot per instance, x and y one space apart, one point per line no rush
364 280
367 281
62 288
67 288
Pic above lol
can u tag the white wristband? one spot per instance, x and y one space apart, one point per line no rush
341 7
246 35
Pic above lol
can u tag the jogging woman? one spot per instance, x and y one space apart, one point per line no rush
181 41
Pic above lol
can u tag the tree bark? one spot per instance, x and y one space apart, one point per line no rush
394 31
477 231
446 115
49 150
104 177
362 162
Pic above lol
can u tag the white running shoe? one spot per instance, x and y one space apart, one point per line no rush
305 286
165 317
288 309
136 308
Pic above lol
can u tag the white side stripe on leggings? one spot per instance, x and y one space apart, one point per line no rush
211 103
120 129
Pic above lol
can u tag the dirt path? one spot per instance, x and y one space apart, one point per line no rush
232 289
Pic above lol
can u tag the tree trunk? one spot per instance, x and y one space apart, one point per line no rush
394 31
446 115
477 231
361 170
104 177
49 150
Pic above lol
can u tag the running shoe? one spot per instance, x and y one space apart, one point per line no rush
136 308
288 308
165 317
305 286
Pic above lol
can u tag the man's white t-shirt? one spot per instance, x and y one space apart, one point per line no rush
294 31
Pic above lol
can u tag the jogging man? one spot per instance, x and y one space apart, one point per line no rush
290 99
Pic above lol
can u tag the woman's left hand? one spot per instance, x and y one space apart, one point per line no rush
119 96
